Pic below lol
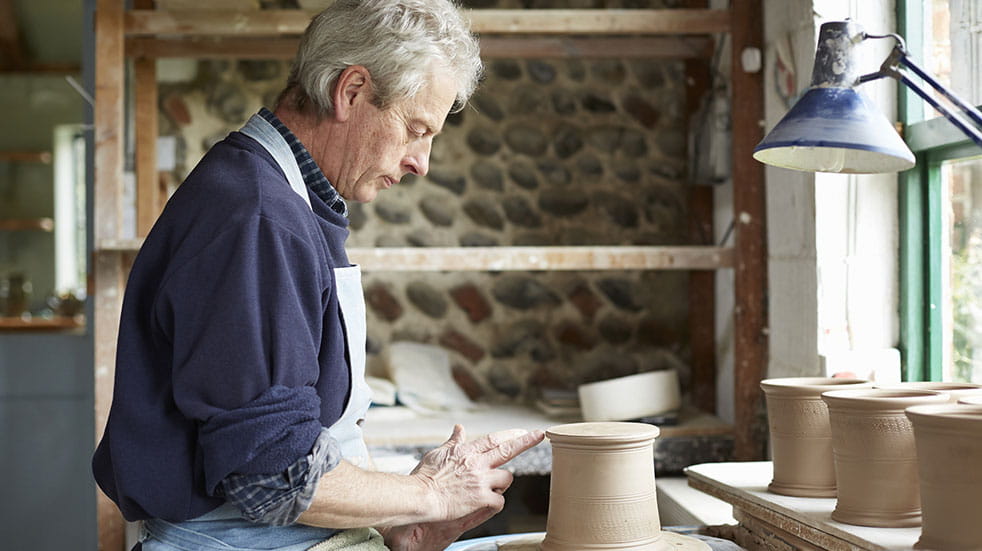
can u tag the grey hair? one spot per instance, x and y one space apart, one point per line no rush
400 42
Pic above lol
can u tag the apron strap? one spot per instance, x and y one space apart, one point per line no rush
260 130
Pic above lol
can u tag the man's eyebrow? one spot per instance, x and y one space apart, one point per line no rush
429 126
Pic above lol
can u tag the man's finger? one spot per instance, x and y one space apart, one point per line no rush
491 441
456 437
509 449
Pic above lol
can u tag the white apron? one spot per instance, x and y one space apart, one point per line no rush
346 430
351 298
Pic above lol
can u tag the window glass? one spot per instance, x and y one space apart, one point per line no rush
953 39
962 270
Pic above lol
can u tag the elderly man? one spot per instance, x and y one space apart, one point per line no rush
240 392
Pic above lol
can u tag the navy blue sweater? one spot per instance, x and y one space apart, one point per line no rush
231 354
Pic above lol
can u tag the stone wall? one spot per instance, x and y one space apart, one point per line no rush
548 152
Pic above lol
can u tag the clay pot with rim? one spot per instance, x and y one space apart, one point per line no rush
875 456
974 400
949 454
954 390
602 491
801 440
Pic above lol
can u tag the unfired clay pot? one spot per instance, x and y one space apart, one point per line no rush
875 457
955 391
975 400
602 490
801 441
949 454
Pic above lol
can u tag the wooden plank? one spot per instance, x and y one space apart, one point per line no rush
539 258
145 110
744 485
27 224
750 347
189 23
60 323
209 5
201 47
11 46
481 259
644 22
26 157
107 210
293 22
659 47
702 283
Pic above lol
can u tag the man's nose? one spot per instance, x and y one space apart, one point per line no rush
417 161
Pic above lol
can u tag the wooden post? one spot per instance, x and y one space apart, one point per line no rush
702 283
148 201
750 273
108 119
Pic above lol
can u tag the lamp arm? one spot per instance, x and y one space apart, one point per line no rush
893 67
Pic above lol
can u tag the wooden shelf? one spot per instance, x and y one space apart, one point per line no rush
61 323
43 157
27 224
495 259
555 47
266 23
801 522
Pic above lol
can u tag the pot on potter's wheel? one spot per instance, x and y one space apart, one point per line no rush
602 490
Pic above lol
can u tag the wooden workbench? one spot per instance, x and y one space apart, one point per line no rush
777 522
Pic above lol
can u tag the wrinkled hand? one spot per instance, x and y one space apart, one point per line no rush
464 476
433 536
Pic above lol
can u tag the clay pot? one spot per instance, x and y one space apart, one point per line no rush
602 489
955 391
949 453
801 440
875 457
974 400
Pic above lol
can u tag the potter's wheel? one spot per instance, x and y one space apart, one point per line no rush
530 542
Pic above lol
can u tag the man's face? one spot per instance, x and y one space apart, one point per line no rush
381 146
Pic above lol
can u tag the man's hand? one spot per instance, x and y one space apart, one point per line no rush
432 536
465 476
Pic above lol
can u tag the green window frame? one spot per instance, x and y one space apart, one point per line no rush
920 195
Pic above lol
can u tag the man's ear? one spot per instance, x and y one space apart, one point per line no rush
354 85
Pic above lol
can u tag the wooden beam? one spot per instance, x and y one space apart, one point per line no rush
145 112
658 47
189 23
750 347
539 258
481 259
257 23
26 156
11 47
200 47
27 224
107 268
702 283
643 22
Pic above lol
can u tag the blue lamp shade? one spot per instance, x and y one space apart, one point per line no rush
833 129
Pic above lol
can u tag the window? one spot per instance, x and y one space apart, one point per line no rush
941 201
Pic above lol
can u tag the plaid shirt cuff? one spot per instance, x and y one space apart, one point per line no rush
279 499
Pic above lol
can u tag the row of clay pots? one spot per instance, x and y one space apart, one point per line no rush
884 453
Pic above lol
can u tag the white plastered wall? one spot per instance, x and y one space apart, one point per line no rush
832 239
